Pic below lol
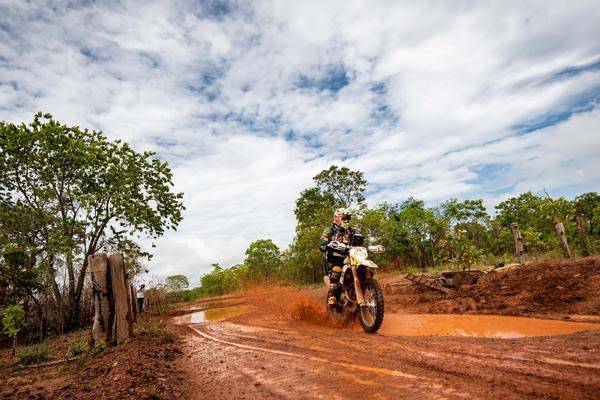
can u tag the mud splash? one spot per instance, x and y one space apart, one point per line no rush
490 326
213 314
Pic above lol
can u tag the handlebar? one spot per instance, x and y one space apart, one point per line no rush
335 245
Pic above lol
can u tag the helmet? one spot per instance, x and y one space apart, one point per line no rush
341 217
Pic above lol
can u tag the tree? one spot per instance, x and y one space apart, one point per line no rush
263 258
86 191
313 207
529 211
176 283
588 206
12 322
344 185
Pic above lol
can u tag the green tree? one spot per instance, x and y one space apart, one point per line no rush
529 211
263 259
176 283
588 206
12 322
91 193
344 185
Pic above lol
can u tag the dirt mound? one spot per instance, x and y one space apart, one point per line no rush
557 286
142 368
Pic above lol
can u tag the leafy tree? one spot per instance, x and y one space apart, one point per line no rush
344 185
588 206
263 258
313 208
12 322
528 210
415 224
86 192
176 283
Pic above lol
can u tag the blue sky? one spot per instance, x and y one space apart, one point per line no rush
249 100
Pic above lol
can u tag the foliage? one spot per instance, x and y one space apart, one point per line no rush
12 320
67 192
77 347
156 330
457 233
34 355
191 294
263 259
345 186
465 253
176 283
100 346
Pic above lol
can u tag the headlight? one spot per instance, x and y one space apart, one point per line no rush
376 249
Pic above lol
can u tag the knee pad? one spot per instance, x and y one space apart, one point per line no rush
335 274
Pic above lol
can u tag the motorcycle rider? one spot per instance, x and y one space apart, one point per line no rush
342 232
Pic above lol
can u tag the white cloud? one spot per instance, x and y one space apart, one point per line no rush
434 93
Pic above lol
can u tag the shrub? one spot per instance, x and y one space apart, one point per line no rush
158 331
12 322
77 347
100 347
34 355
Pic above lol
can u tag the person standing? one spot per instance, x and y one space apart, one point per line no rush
140 297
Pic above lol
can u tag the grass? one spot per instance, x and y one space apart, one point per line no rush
77 347
34 355
157 330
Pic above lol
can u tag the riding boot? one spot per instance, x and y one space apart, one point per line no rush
334 279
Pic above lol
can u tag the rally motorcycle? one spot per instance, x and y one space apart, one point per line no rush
358 291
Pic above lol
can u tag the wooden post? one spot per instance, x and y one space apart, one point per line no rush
560 231
582 231
122 327
101 328
133 302
519 247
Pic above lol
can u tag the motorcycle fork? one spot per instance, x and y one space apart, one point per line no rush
360 298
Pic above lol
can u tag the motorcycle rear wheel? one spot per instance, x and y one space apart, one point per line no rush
371 316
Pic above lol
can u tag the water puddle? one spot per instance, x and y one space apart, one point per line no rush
491 326
213 314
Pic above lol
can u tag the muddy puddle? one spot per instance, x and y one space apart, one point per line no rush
213 314
491 326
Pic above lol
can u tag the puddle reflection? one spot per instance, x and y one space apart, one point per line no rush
214 314
491 326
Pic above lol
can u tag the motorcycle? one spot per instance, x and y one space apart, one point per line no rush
358 291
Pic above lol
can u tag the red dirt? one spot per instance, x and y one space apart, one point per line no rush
553 288
140 369
289 348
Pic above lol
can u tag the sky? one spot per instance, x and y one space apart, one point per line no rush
247 101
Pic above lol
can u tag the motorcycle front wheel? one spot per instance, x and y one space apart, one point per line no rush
371 315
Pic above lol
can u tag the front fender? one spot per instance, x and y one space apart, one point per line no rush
369 263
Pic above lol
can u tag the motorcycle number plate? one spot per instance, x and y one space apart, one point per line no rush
358 255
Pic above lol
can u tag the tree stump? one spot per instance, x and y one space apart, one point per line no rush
519 247
560 231
101 328
122 327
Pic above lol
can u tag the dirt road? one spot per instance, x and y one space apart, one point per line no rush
291 351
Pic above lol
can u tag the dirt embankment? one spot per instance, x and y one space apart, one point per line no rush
551 287
141 369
